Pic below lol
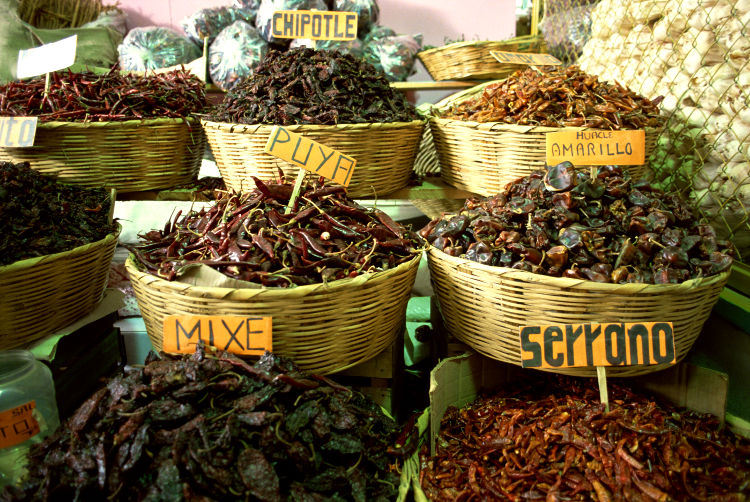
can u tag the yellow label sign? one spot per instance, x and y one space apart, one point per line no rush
315 24
310 155
17 131
18 424
597 148
525 58
249 336
611 344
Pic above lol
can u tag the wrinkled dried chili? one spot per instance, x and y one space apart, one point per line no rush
113 96
552 441
305 86
564 223
247 236
558 97
212 427
39 216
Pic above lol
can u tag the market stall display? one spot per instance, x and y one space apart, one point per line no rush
547 439
124 131
496 132
332 98
335 276
562 247
211 425
234 53
54 269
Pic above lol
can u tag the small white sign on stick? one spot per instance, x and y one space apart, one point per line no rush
47 58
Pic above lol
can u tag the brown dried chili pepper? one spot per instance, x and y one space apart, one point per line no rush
245 236
551 440
567 224
557 96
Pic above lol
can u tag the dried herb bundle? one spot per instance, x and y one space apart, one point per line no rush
113 96
305 86
554 441
248 236
39 216
559 97
211 427
606 229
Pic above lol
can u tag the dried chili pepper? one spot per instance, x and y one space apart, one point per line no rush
39 216
166 431
553 440
563 223
113 96
305 86
246 237
557 97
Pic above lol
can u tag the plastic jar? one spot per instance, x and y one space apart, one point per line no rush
28 410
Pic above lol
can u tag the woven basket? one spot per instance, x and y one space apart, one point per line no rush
38 296
473 61
432 208
483 157
130 156
484 306
384 152
322 328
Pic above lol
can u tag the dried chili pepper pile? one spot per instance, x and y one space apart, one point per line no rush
305 86
564 223
559 97
39 216
552 440
248 236
212 427
113 96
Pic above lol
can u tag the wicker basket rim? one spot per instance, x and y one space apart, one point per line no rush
502 126
270 293
241 128
584 284
477 43
30 262
55 124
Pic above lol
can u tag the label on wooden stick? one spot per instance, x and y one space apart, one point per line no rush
310 155
17 131
249 336
611 344
315 24
46 58
597 147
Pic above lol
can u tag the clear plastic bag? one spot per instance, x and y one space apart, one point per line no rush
264 17
251 5
394 55
111 18
353 47
209 22
152 47
234 53
376 33
367 10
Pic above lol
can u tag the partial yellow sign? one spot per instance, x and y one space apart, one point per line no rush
310 155
18 424
610 344
17 131
315 24
241 335
525 58
594 147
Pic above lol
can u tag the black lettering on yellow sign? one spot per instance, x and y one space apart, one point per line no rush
238 334
611 344
314 25
596 147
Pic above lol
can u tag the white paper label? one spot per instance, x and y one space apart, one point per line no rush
47 58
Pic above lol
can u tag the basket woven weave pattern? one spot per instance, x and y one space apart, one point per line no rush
483 157
130 156
41 295
322 328
485 306
384 152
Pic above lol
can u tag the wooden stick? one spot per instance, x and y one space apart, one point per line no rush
601 376
295 192
112 196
